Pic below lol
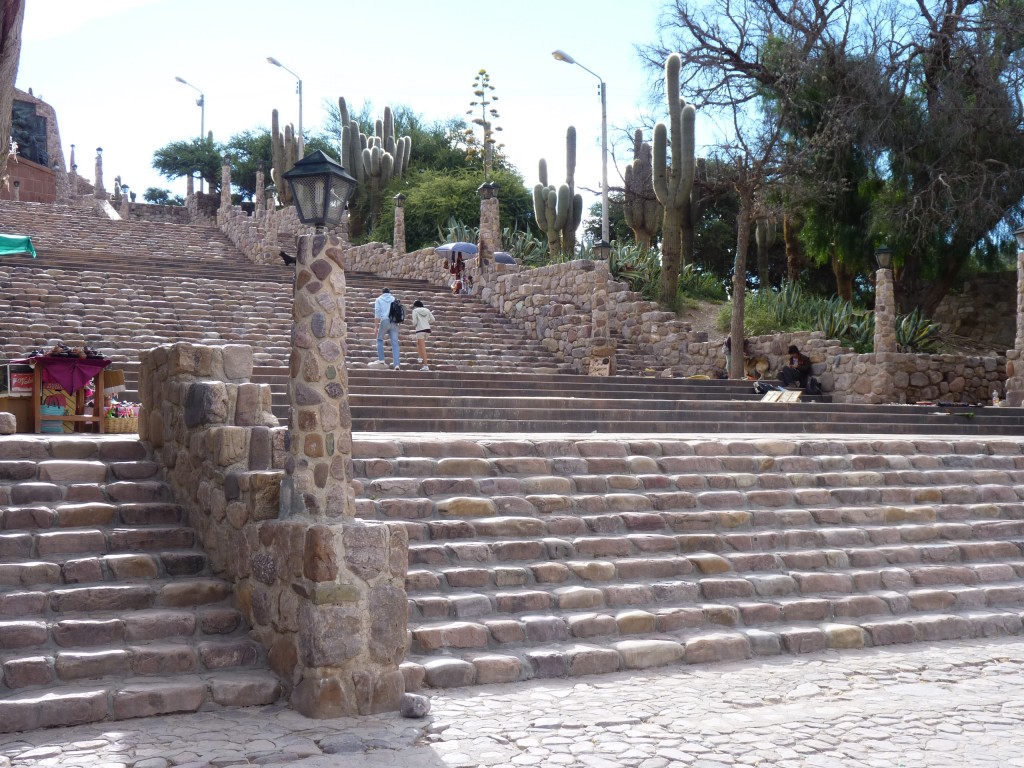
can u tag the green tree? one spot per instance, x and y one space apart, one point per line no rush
158 196
187 158
249 151
435 196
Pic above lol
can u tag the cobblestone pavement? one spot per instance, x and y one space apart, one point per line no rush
942 705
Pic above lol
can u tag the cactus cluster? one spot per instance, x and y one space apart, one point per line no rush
641 206
285 153
559 210
673 183
374 159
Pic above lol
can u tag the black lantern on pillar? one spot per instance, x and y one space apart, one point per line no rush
320 187
883 255
399 200
488 190
603 250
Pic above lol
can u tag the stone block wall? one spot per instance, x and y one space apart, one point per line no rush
326 599
984 309
912 378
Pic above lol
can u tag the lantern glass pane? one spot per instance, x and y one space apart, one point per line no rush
309 196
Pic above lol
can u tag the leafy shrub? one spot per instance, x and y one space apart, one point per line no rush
637 266
695 283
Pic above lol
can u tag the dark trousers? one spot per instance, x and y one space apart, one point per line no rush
790 377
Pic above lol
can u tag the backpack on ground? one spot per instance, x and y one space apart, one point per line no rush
814 387
396 314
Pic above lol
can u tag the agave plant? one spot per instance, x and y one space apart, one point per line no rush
916 333
454 231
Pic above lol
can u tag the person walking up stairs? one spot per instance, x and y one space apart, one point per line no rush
387 314
421 318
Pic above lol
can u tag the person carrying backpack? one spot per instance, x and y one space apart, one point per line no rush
422 318
388 312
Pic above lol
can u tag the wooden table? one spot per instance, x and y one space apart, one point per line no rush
91 368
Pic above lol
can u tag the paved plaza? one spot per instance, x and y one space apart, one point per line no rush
956 705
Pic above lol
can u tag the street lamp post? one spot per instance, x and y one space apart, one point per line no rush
298 90
201 103
561 55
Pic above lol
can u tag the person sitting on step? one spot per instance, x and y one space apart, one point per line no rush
797 372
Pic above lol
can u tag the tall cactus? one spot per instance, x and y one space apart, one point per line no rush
375 160
285 153
573 218
641 207
673 183
559 210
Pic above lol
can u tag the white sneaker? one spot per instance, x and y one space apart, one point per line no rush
397 368
376 364
419 359
425 368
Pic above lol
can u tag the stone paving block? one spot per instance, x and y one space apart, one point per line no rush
753 614
550 573
546 485
676 618
995 624
814 582
220 654
474 578
930 628
994 572
70 708
627 594
855 606
635 622
592 660
772 585
158 698
642 569
523 549
810 609
545 629
1011 594
591 625
717 647
592 570
449 673
70 633
66 472
641 654
496 668
194 592
508 526
28 671
524 601
505 631
469 551
654 543
35 493
27 518
931 599
469 606
802 639
70 542
843 636
245 690
721 615
163 659
92 664
29 574
577 597
510 576
546 663
726 588
22 634
132 567
432 607
709 564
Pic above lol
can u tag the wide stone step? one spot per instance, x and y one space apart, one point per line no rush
122 700
510 663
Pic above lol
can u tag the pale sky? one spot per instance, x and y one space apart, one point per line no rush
108 68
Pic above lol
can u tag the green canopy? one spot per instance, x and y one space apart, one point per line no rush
10 244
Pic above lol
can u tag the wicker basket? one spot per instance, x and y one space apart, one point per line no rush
128 424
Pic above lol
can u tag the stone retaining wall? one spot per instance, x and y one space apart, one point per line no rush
911 378
336 650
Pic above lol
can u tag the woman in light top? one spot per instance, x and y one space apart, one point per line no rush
421 319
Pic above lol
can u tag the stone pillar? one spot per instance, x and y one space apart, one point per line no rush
1018 343
602 345
225 187
490 225
98 190
885 312
261 197
16 190
190 186
345 578
320 426
399 224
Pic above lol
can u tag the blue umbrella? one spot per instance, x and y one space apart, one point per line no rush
465 248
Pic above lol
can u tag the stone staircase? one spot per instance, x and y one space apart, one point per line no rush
108 610
565 556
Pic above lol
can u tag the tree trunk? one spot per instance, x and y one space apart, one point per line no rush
12 15
844 279
794 259
739 285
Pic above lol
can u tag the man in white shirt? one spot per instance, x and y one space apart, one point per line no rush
382 327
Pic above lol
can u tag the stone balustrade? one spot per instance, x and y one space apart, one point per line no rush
325 598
